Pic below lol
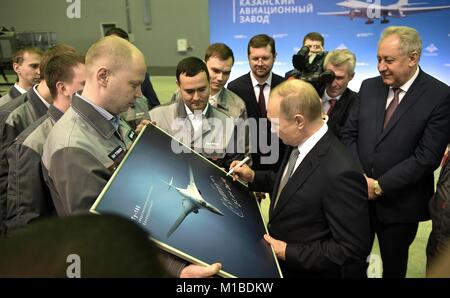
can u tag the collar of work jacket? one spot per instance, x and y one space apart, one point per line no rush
36 102
93 117
54 113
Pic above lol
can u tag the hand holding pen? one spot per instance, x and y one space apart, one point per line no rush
238 169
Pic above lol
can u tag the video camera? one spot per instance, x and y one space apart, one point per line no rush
310 69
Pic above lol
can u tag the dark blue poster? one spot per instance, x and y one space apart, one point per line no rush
189 206
351 24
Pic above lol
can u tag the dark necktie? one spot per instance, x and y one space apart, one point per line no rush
332 102
290 167
392 106
262 100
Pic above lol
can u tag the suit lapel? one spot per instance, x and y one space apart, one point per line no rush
300 176
339 110
410 98
380 106
278 179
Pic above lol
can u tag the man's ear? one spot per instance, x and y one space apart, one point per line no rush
413 58
103 76
60 87
16 67
300 121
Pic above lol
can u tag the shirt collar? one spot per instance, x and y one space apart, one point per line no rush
20 89
192 115
54 113
310 142
88 111
108 116
326 97
408 84
256 83
215 98
47 105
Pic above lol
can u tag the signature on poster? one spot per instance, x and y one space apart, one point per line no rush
226 195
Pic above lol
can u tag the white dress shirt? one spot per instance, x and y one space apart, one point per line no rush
20 89
196 118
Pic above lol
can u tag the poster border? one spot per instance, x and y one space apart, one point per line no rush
160 244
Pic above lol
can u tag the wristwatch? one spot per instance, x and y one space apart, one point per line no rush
376 188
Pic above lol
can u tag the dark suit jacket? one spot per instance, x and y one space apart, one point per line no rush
149 92
243 87
322 213
339 114
403 156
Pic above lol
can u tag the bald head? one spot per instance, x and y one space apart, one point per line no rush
115 70
113 53
297 97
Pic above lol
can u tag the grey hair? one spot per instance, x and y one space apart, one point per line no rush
340 57
409 39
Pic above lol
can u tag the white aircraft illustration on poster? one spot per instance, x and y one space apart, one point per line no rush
371 10
192 201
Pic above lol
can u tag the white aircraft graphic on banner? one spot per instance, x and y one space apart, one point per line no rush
371 10
192 201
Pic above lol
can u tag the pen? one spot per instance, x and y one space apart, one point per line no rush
238 165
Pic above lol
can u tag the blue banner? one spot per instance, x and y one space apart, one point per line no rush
351 24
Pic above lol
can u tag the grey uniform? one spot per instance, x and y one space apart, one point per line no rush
218 139
24 115
227 101
12 93
15 116
28 197
137 112
80 154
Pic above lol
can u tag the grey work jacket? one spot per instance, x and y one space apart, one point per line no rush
217 141
28 197
80 154
15 116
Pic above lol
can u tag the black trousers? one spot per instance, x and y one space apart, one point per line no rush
394 240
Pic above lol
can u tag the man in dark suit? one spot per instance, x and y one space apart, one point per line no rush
254 88
398 130
318 217
26 65
337 99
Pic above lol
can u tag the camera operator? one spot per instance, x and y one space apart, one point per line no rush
314 42
312 46
337 99
308 63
